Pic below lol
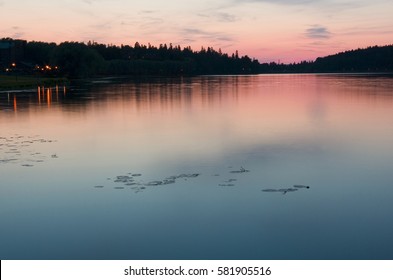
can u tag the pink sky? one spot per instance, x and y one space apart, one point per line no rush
281 30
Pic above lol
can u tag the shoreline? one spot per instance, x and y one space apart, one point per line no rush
8 82
28 82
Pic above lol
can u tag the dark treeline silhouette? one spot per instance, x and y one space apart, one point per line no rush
80 60
371 59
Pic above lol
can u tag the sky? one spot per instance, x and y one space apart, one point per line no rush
268 30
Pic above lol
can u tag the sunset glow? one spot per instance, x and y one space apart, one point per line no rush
268 30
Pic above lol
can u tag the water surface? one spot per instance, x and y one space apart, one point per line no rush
196 168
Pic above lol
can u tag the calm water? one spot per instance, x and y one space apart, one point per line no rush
177 168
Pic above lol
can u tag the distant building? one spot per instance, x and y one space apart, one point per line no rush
11 51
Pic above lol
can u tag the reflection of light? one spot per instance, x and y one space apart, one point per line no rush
64 91
48 96
15 104
39 95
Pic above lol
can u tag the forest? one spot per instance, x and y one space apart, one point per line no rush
371 59
83 60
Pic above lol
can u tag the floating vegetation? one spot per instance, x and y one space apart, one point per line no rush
140 185
287 190
8 160
187 175
270 190
168 181
22 149
230 180
301 186
154 183
242 170
137 183
284 191
226 185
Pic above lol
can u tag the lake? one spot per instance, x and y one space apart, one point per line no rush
209 167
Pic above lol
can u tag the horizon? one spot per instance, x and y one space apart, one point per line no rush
271 31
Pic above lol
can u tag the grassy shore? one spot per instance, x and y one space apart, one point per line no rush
23 81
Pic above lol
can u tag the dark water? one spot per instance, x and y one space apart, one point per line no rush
199 168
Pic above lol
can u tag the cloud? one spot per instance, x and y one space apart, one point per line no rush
14 32
318 32
18 35
102 26
151 23
328 6
195 34
361 30
282 2
147 11
194 31
225 17
90 2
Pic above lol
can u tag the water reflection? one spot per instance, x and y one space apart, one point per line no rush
23 100
173 93
202 167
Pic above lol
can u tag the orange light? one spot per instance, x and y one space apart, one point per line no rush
39 95
15 104
48 97
13 64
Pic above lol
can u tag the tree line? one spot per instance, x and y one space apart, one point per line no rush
75 59
371 59
81 60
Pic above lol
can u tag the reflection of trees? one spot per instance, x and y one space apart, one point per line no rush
140 93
